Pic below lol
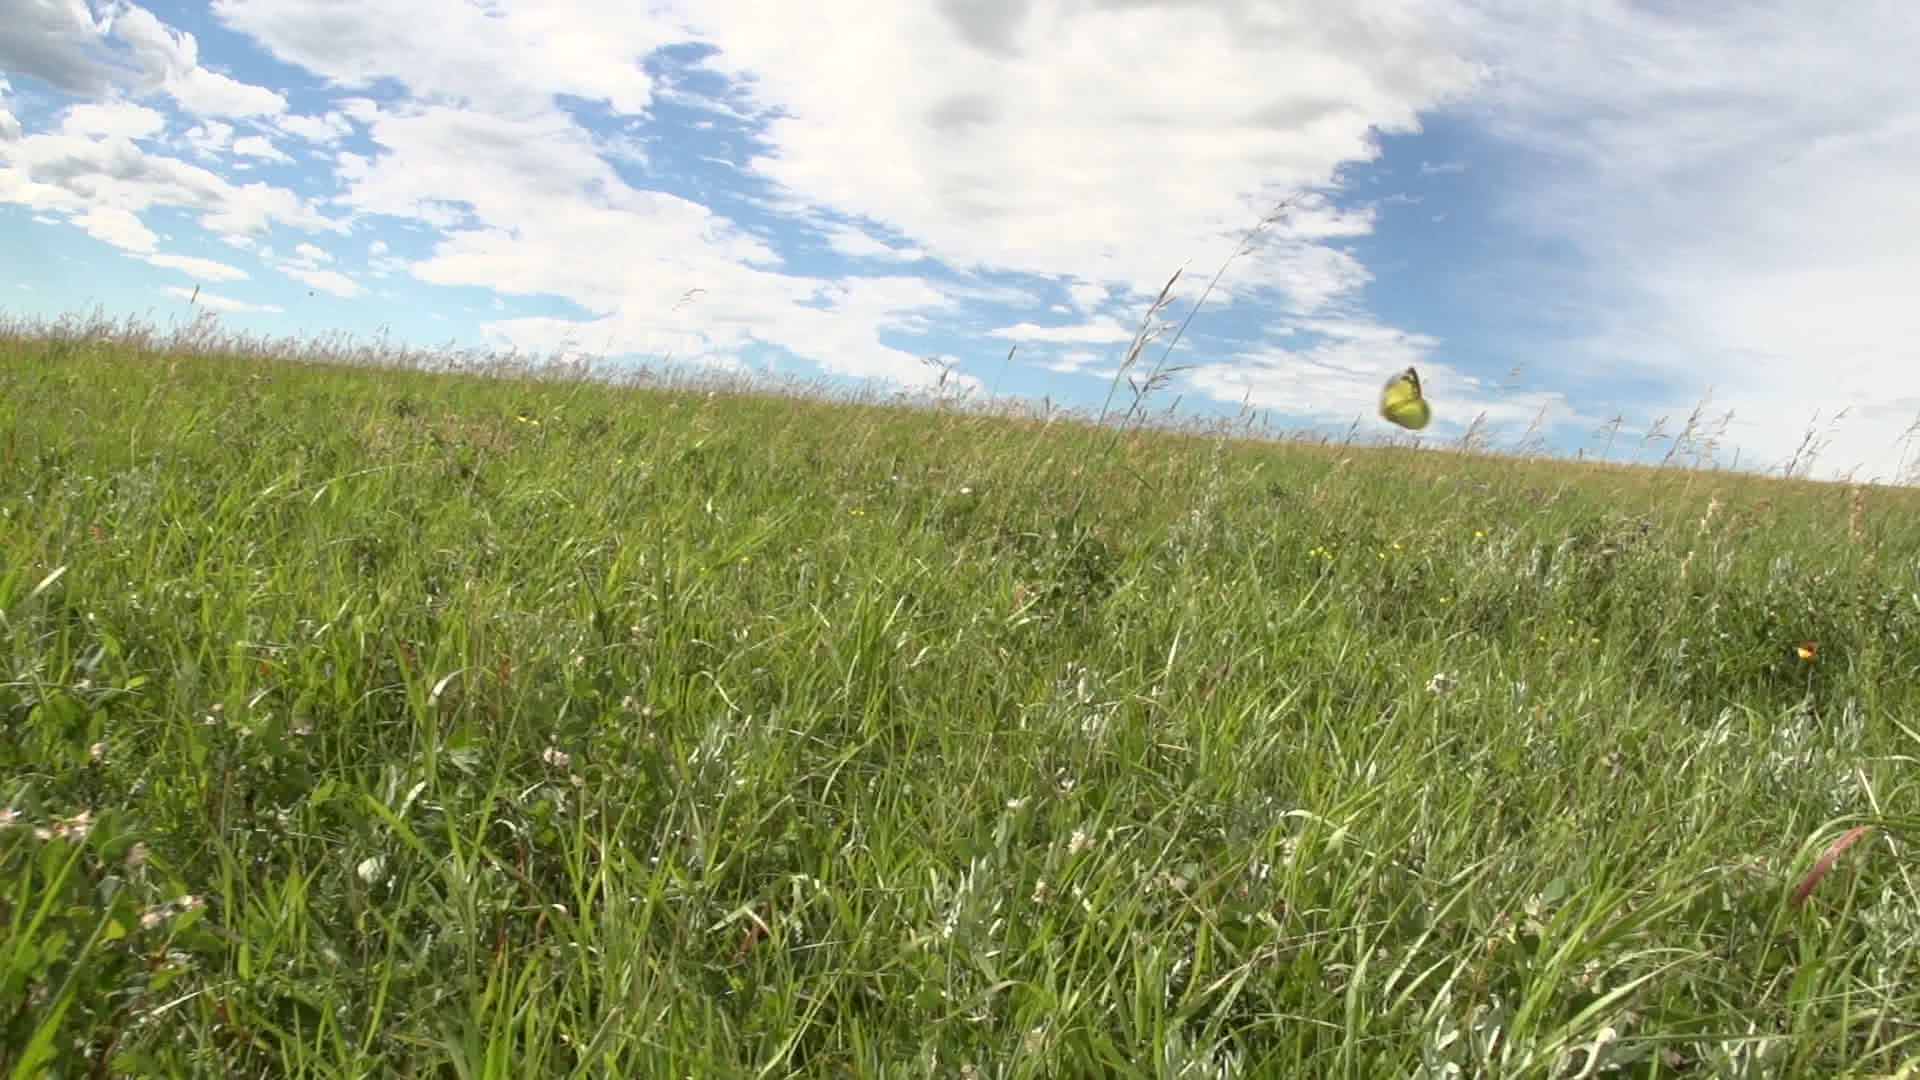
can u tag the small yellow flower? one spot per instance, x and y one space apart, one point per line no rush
1807 651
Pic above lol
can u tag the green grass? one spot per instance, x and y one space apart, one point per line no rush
433 724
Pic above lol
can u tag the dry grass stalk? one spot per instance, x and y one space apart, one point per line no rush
1825 862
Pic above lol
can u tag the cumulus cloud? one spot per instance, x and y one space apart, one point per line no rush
67 46
327 281
529 205
196 267
1082 362
57 42
104 181
217 302
506 58
1105 141
1098 145
259 146
209 139
1732 178
118 226
1102 329
121 120
169 60
309 265
324 129
861 244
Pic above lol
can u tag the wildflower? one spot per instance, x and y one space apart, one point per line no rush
73 828
165 910
556 757
1807 651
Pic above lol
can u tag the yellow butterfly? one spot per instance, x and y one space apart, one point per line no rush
1400 401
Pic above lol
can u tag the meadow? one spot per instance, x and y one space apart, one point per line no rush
368 718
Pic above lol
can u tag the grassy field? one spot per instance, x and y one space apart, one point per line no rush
377 722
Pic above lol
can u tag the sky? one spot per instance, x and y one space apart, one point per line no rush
1583 220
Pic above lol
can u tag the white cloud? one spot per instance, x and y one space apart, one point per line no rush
1103 141
1082 362
1737 197
861 244
523 199
311 254
9 124
381 262
196 267
510 58
1088 295
117 226
325 129
217 302
328 281
55 41
170 60
258 146
210 138
113 120
64 44
1101 329
105 181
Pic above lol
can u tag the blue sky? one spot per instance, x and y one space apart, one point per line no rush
1563 211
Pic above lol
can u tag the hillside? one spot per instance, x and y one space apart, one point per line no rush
374 721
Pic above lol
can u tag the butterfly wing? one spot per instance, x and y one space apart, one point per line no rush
1402 403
